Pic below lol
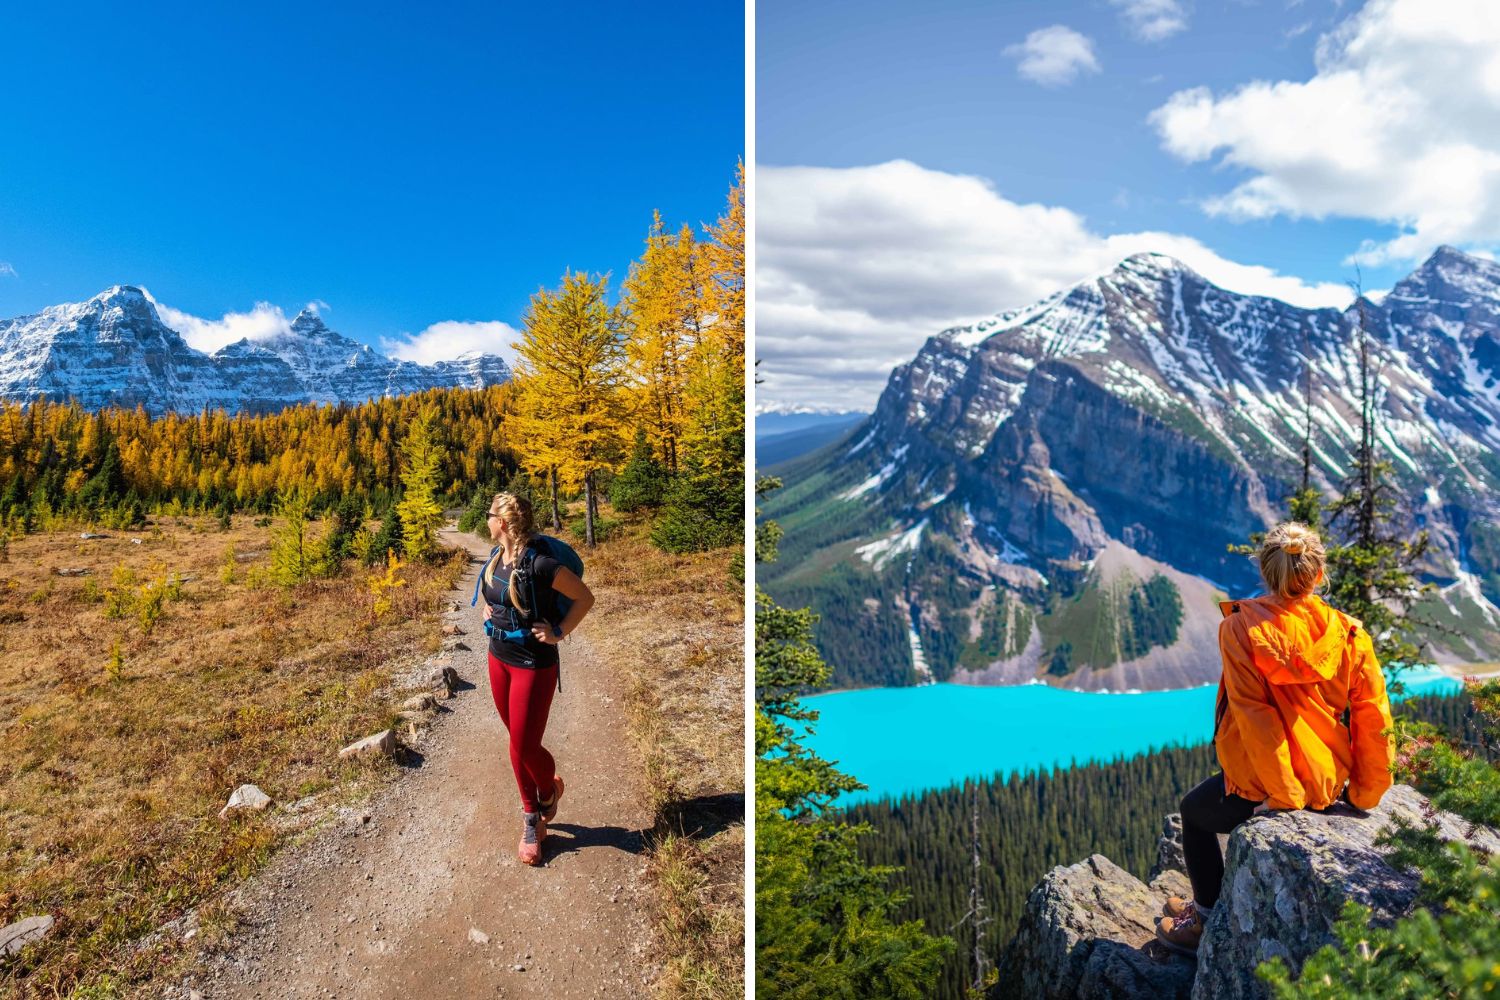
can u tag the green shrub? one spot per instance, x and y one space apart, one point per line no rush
642 483
701 512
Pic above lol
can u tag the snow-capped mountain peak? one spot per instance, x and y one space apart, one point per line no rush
114 349
1148 410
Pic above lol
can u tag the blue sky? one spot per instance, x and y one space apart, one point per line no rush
406 164
1279 144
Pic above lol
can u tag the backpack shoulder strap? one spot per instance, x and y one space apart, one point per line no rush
479 580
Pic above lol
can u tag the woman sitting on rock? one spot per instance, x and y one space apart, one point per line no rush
1292 667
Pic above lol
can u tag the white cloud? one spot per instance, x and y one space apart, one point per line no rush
6 270
1152 20
1399 123
449 339
1054 56
856 267
208 335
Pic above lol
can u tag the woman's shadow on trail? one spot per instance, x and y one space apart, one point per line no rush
577 838
698 818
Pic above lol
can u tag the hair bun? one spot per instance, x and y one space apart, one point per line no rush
1293 548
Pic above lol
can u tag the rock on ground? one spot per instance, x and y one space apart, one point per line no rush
1088 930
18 935
246 798
381 742
1287 876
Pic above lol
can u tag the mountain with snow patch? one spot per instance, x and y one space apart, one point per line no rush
1049 494
115 350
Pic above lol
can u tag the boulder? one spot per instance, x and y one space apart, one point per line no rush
383 742
1089 930
246 798
1287 875
420 703
18 935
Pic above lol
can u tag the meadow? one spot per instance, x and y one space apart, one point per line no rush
134 699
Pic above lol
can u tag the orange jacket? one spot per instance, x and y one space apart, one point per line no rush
1290 671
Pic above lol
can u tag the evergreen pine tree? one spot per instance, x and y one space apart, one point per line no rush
387 539
824 922
643 481
476 516
701 511
1371 569
106 486
348 518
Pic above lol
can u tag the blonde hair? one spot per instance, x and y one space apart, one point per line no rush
519 526
1291 559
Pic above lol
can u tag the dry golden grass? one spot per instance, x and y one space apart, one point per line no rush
110 786
673 626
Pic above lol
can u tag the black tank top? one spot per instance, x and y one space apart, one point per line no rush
531 653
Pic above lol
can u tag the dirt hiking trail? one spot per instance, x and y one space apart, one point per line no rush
396 899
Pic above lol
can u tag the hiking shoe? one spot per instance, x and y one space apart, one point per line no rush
1181 934
549 809
1176 906
530 848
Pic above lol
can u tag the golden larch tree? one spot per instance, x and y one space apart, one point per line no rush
664 304
570 375
715 390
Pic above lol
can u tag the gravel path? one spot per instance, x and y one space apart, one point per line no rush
421 895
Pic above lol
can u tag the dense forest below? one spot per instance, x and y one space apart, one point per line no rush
1030 823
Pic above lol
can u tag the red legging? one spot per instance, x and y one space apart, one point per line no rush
523 698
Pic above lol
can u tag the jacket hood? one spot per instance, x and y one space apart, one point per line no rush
1298 643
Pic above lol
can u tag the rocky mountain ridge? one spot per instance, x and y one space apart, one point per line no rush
1050 493
115 350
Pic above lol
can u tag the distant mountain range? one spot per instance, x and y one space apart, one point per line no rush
114 350
774 422
1049 494
780 437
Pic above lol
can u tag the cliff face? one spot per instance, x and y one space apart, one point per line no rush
1151 410
1088 929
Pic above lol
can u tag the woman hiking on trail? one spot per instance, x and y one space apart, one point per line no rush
1292 667
519 583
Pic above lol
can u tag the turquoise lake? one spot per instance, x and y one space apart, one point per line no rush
904 740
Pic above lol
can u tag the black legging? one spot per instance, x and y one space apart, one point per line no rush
1208 811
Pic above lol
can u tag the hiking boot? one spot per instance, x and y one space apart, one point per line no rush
1177 906
549 808
1181 934
530 848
